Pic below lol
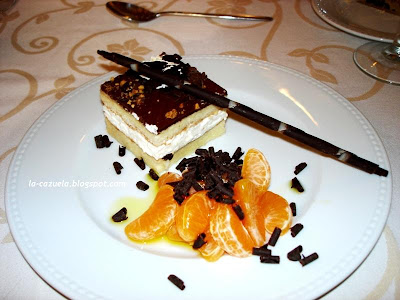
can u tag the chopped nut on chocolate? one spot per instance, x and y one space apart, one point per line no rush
171 114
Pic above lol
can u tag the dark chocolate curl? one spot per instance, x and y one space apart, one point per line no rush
247 112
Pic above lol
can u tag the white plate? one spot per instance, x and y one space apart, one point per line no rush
66 236
358 19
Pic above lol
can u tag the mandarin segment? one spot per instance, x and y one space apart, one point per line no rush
168 177
173 235
192 217
257 169
276 212
211 251
228 231
157 219
245 193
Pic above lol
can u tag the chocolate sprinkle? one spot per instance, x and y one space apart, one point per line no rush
214 171
228 201
199 242
106 141
140 163
297 185
275 236
169 156
177 281
271 259
300 167
296 229
117 167
293 208
153 175
121 151
102 141
295 254
142 185
239 212
98 139
261 251
308 259
120 215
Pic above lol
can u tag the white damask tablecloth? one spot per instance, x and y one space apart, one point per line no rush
47 49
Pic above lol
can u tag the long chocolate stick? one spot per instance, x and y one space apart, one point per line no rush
247 112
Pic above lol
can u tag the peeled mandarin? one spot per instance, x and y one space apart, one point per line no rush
257 169
245 193
229 232
157 219
192 217
276 212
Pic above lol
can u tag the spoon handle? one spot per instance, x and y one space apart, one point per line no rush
221 16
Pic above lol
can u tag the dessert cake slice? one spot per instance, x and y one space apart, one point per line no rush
157 123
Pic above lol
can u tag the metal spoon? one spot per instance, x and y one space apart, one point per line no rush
134 13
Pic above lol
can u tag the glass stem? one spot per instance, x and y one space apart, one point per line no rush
392 52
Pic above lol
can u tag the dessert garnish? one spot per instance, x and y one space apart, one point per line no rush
271 123
120 215
102 141
274 237
177 281
295 254
140 163
271 259
121 150
142 185
198 207
308 259
261 251
153 175
199 242
297 185
296 229
293 208
117 167
300 167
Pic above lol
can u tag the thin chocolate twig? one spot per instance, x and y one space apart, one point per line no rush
247 112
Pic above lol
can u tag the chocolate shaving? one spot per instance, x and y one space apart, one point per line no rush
117 167
297 185
102 141
286 129
300 167
271 259
237 154
120 215
98 139
121 151
261 251
308 259
169 156
199 242
239 212
140 163
106 142
296 229
293 208
295 254
275 236
177 281
142 185
227 200
153 175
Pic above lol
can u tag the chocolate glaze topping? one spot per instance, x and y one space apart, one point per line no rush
155 103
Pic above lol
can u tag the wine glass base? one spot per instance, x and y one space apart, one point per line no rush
370 59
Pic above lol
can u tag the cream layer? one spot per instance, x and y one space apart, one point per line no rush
172 145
